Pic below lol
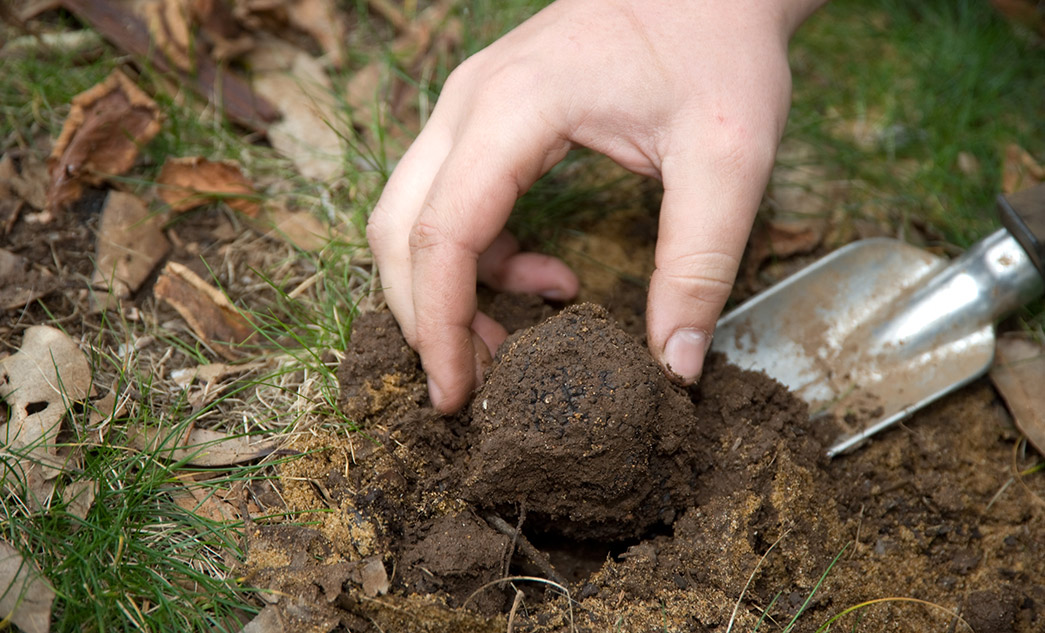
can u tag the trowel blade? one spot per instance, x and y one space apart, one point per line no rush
815 333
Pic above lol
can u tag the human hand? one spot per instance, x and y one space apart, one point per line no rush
693 93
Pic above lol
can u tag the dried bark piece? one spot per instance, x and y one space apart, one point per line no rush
189 182
130 244
206 309
100 138
25 595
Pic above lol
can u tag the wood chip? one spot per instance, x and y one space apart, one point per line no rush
186 183
207 310
130 244
100 138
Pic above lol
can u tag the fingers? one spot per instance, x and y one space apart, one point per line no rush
466 208
505 269
710 200
394 215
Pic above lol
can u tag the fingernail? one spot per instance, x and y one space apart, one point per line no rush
555 294
435 393
684 353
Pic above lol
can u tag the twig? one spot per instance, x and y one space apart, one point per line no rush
515 607
539 558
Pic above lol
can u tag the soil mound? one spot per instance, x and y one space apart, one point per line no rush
641 506
577 390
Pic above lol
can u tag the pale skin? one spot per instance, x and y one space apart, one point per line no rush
694 93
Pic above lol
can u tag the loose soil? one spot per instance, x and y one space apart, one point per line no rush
581 490
581 481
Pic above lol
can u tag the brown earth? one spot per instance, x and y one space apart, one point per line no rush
588 472
654 507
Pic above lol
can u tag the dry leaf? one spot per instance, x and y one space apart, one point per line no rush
201 447
1019 374
324 22
168 24
208 312
268 620
227 37
25 595
79 497
130 244
374 578
300 229
203 502
19 283
1019 170
28 181
39 383
101 136
312 128
186 183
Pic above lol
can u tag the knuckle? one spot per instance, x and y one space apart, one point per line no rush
706 277
424 235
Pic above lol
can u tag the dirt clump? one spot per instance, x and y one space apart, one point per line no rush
577 389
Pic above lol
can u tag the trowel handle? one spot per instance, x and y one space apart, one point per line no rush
1023 214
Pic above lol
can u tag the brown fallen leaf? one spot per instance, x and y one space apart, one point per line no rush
186 183
100 138
79 497
312 128
300 229
374 578
228 39
1019 375
207 310
25 595
130 244
201 447
203 502
222 87
39 383
324 22
1019 170
268 620
168 24
28 180
20 284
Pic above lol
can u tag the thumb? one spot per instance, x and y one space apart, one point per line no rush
706 215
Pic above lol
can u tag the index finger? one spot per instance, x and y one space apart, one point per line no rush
467 206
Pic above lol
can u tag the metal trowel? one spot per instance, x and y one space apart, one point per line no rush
880 328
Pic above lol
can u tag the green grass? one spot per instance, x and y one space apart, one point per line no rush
936 79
